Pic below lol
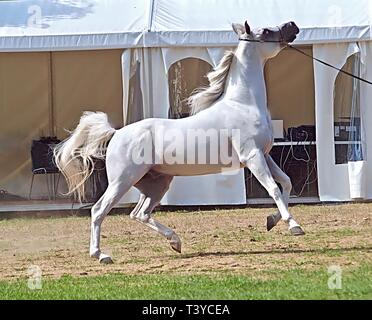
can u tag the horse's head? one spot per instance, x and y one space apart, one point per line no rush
269 40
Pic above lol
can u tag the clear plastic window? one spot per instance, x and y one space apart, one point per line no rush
185 76
347 118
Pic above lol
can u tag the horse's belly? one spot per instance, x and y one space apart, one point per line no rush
194 169
225 161
264 139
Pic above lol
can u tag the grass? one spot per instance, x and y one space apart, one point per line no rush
292 284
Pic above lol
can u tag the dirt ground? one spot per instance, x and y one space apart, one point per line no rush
213 241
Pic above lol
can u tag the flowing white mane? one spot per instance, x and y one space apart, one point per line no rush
203 98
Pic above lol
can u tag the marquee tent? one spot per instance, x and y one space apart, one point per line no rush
131 58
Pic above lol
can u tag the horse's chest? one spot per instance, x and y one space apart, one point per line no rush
257 127
255 122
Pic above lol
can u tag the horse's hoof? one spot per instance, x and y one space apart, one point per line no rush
270 222
175 243
176 247
297 231
105 259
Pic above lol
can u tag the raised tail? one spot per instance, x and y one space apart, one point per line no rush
75 155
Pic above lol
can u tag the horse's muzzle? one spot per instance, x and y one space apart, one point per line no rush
289 31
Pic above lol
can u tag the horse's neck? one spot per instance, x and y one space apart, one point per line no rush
246 83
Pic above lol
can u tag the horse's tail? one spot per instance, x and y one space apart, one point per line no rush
75 156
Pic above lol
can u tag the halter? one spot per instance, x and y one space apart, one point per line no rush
281 40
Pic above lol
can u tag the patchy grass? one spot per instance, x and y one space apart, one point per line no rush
228 249
294 284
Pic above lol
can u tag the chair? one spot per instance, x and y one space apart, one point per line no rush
42 163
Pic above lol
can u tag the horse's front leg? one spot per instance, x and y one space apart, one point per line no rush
256 162
280 177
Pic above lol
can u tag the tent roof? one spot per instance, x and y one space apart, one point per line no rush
34 25
209 21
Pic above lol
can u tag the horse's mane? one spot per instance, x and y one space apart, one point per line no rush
203 98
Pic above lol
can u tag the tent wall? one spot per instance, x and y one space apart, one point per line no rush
328 170
86 81
43 94
24 115
366 110
290 88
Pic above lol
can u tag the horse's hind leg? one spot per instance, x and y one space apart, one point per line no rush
138 206
99 211
116 189
280 177
153 187
256 162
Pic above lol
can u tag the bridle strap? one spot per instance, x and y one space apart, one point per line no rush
281 34
260 41
281 40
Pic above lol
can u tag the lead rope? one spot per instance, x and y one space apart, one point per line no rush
313 58
329 65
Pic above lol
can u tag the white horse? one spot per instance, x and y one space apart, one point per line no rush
235 99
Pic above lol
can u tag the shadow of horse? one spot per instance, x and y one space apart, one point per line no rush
273 251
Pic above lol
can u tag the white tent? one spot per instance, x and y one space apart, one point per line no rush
151 36
36 25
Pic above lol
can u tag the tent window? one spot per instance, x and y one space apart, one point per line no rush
184 77
347 120
135 110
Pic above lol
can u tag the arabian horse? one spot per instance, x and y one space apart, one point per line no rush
234 100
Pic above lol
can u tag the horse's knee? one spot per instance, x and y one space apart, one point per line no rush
274 192
287 184
97 215
97 219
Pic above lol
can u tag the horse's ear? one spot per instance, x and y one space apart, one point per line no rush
238 28
247 27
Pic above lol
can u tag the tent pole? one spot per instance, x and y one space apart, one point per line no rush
151 15
52 130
